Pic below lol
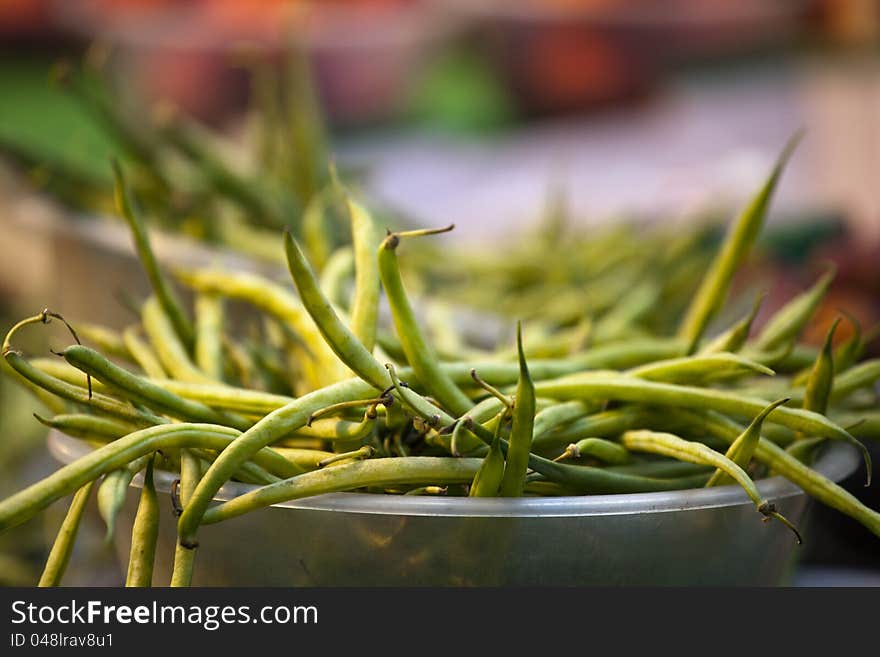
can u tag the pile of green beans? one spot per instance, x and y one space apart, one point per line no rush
314 391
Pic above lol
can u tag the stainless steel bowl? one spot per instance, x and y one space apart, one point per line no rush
693 537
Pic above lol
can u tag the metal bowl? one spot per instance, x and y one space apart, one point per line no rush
704 536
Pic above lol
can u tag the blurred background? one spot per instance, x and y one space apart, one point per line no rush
467 111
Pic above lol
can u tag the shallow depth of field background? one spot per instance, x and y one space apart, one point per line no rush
473 112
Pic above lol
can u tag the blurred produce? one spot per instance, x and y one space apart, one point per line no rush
365 54
571 55
187 177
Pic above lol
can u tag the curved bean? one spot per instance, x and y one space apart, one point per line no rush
812 482
667 444
418 352
74 393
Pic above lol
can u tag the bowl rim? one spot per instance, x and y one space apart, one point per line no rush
837 461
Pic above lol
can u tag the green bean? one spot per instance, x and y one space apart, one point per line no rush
487 480
27 503
144 534
622 388
609 356
743 448
113 491
62 548
667 444
190 473
142 354
335 276
89 427
557 415
216 395
366 238
733 339
341 340
492 390
699 368
418 352
521 430
166 298
143 391
74 393
736 246
225 397
47 399
360 474
818 388
208 335
787 323
604 450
